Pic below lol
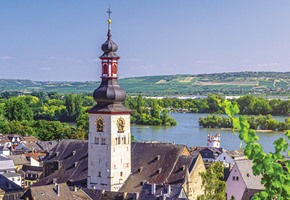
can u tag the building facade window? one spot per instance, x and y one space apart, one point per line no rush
103 141
96 140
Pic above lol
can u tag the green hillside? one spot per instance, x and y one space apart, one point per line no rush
277 83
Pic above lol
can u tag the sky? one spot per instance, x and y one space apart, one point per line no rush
60 40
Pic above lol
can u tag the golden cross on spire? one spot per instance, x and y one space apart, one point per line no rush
109 12
109 19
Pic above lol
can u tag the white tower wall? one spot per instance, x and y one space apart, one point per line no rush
109 161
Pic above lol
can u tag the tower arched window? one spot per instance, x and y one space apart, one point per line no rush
100 124
119 140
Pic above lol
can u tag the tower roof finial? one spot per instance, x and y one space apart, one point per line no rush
109 17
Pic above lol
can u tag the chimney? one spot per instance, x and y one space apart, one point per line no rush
169 189
153 188
57 189
75 188
230 166
159 170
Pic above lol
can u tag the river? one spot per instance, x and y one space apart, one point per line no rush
189 133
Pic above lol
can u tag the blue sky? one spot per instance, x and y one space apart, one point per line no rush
61 39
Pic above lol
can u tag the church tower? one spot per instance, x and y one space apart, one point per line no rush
109 153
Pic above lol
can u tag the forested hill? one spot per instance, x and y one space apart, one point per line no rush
275 83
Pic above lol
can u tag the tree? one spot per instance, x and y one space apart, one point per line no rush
273 166
212 182
17 109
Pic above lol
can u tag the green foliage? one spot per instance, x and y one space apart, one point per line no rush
17 109
212 182
168 85
257 123
273 166
149 112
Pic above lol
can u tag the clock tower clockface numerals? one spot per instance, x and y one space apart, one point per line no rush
100 124
121 125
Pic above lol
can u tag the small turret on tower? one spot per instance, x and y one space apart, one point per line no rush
214 140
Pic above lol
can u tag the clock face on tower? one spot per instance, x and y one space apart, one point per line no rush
121 125
100 124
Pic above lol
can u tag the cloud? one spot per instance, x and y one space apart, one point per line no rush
204 62
6 58
45 68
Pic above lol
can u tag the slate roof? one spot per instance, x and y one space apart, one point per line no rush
28 168
19 159
8 186
33 146
30 139
10 136
156 163
47 145
3 148
10 174
175 192
151 162
206 152
48 192
251 181
236 153
4 138
6 163
74 167
107 195
35 155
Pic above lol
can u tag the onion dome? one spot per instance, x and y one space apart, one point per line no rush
109 92
109 47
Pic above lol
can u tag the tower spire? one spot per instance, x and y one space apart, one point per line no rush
109 126
109 18
109 94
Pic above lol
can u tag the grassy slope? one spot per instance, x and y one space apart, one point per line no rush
224 83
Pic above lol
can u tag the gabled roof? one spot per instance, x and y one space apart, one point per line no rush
35 155
33 146
10 136
19 159
8 186
6 163
151 162
47 145
175 192
30 138
10 174
104 195
206 152
245 169
3 148
4 138
73 156
156 163
49 192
